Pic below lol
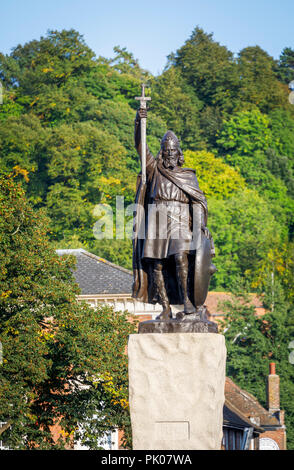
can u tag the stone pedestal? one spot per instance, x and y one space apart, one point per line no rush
176 385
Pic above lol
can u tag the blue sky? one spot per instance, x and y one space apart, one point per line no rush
151 29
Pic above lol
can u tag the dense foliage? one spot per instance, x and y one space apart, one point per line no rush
67 119
66 125
64 363
253 341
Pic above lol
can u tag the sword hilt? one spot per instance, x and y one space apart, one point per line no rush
143 99
143 105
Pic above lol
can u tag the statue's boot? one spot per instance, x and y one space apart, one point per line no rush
182 276
166 313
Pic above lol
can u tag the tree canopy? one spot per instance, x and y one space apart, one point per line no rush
64 363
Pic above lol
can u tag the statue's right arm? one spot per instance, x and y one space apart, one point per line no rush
150 160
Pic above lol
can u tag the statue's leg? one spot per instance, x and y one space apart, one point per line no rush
181 260
166 313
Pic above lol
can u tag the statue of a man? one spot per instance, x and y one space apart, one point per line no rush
164 258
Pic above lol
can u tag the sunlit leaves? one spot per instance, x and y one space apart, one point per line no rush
216 178
54 348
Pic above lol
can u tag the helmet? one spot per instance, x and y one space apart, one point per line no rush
170 136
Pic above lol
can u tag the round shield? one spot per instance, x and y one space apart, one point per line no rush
203 271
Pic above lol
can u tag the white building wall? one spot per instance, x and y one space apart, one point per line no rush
125 302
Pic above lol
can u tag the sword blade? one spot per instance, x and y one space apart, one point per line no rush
143 105
143 149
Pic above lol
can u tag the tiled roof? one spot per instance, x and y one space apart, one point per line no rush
214 300
248 405
234 418
96 275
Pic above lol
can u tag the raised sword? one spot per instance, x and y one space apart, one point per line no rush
143 104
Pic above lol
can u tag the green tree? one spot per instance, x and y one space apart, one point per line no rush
244 229
176 103
118 251
125 63
72 129
244 134
63 362
258 83
9 105
216 178
282 128
253 341
50 61
209 68
67 120
285 69
245 142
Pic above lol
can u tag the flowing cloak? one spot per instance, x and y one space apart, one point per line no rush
144 288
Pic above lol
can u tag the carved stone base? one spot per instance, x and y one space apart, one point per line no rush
188 325
176 390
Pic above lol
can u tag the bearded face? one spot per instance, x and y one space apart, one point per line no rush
170 154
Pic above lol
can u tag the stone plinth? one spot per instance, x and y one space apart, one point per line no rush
174 326
176 385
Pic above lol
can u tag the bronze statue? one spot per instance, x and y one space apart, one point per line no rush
172 258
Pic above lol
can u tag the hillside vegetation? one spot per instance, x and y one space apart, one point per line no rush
66 135
67 123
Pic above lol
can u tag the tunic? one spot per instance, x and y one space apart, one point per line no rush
168 223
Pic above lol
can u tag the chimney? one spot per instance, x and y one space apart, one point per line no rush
273 389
